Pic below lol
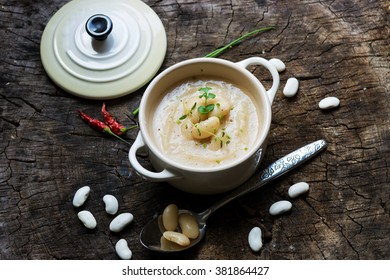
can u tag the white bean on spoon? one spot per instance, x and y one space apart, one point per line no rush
170 217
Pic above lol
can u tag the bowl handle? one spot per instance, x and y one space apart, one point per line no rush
275 75
150 175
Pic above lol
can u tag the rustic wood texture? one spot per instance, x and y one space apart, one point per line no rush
335 48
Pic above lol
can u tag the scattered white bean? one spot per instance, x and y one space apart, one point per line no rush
280 207
177 237
329 102
111 204
122 249
254 239
298 189
87 219
291 87
81 196
120 221
279 65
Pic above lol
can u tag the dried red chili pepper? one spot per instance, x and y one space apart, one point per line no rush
94 123
99 125
109 120
115 127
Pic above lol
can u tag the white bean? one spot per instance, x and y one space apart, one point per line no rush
186 129
81 196
111 204
191 109
329 102
170 217
188 225
121 221
298 189
122 249
222 107
196 117
206 128
291 87
160 224
280 207
279 65
177 238
87 219
254 239
167 245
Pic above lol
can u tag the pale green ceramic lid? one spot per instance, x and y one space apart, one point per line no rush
102 69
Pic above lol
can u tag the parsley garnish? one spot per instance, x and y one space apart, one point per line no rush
206 109
207 95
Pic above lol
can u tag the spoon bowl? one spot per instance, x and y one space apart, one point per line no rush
151 236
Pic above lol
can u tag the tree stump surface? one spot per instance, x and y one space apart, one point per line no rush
335 48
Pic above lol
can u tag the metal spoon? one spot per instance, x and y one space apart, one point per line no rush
151 234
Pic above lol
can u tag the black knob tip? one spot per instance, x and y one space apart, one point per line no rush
99 26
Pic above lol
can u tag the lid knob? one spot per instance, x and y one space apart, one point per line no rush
99 26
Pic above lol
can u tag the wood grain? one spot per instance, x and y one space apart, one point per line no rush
335 48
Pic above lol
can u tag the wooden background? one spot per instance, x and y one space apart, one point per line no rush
335 48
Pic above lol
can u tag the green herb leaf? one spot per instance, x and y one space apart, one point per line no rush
193 107
205 90
206 93
206 109
183 117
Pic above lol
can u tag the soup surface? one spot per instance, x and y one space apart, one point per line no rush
206 123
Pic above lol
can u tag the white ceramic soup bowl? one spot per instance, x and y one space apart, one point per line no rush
201 180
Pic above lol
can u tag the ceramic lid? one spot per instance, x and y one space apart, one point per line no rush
101 49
